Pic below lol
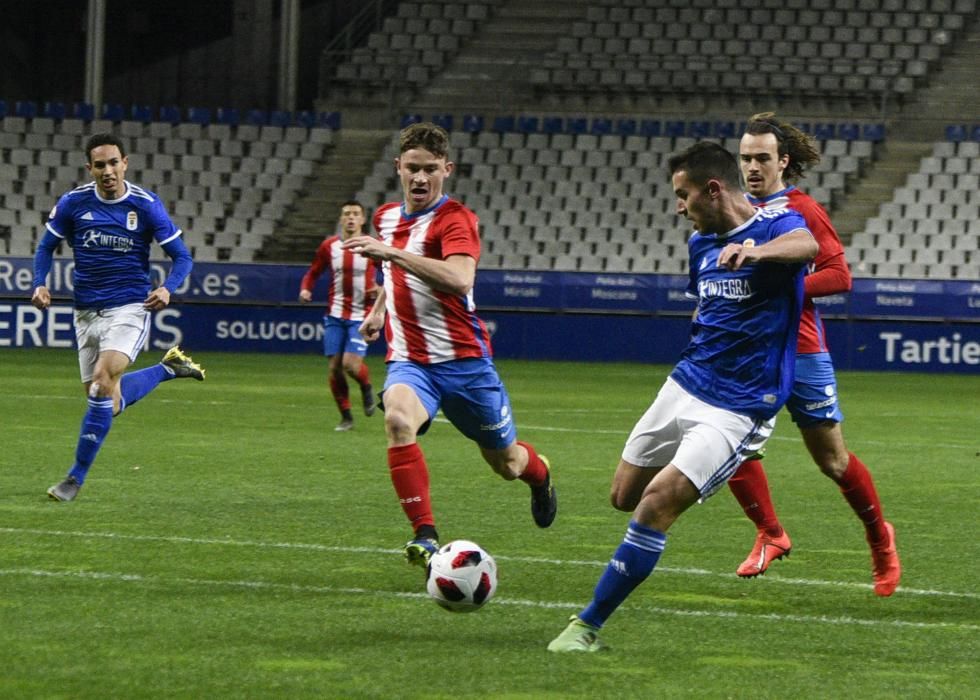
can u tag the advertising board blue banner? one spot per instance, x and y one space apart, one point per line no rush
267 283
882 324
866 345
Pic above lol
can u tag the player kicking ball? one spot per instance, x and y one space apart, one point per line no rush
720 401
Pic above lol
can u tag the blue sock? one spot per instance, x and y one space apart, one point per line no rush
95 426
629 567
135 385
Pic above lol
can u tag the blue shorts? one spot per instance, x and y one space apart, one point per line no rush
814 396
470 393
340 335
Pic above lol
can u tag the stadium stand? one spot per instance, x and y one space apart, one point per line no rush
931 227
850 51
207 174
589 202
567 173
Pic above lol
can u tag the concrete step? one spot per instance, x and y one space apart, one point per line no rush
543 11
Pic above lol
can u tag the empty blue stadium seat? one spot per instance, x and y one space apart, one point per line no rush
199 115
409 119
723 130
849 131
699 129
3 108
601 125
675 128
25 108
503 124
527 125
650 127
625 127
443 120
823 131
956 132
280 117
83 110
472 123
53 110
975 133
552 125
328 120
305 117
170 114
141 113
114 112
256 117
873 132
228 115
576 125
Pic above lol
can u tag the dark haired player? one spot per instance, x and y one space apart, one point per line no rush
350 293
719 403
110 224
772 154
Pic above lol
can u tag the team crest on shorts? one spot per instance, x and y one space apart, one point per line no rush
131 221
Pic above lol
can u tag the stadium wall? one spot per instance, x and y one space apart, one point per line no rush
900 325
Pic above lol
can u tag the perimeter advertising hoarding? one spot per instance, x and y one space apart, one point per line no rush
882 324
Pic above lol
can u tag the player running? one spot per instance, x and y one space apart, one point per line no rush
773 154
351 292
439 352
109 225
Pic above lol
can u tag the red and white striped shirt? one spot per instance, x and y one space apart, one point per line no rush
423 324
351 278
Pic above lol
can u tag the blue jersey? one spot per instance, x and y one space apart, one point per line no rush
111 242
743 341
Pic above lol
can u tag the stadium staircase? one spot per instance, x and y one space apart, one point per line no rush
490 75
951 96
316 211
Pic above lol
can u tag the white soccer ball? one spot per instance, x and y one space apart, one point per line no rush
461 576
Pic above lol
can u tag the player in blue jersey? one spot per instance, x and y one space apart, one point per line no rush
110 225
720 401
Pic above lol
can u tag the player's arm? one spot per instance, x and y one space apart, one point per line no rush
830 273
794 247
374 320
43 257
316 269
159 298
454 275
830 276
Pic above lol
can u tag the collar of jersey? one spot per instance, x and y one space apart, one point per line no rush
737 229
117 199
416 214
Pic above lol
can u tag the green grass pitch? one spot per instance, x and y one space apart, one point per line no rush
228 543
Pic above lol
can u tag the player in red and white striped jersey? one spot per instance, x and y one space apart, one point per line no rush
351 292
772 154
439 352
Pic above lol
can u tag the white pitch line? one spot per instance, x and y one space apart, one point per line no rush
339 590
770 577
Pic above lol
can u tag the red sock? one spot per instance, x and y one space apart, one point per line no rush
536 470
410 477
363 376
750 487
340 391
858 489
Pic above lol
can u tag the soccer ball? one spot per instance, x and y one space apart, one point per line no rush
461 576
